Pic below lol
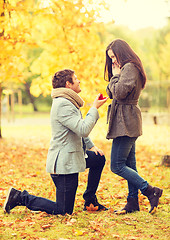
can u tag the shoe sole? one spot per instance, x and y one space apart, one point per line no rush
154 210
120 212
6 200
161 193
123 212
96 210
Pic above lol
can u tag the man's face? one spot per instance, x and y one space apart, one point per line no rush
75 86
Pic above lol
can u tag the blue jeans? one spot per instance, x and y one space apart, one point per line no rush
66 187
95 163
123 163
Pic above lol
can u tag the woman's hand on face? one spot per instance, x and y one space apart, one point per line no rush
115 68
98 103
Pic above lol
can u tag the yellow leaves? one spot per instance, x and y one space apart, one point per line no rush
24 150
7 91
41 23
39 86
63 33
42 64
15 32
35 89
79 233
67 35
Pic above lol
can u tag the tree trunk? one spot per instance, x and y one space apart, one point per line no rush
27 87
166 160
168 98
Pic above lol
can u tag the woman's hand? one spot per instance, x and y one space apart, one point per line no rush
98 103
115 68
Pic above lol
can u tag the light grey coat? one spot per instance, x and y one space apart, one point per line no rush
65 154
124 115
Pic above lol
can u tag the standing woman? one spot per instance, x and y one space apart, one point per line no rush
126 76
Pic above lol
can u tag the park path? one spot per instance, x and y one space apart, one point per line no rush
148 119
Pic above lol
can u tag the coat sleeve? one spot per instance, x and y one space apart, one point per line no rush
70 117
110 87
125 82
88 142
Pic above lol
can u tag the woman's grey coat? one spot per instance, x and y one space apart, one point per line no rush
124 115
66 155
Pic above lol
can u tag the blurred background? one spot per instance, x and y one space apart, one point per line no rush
40 37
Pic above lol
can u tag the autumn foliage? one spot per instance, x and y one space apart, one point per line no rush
22 165
38 38
41 38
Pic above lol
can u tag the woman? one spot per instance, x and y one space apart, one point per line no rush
126 76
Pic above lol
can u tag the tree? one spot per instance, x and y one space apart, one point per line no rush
67 33
14 33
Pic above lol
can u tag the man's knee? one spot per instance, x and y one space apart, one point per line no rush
95 161
101 160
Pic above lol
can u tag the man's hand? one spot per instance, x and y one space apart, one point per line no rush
98 103
97 150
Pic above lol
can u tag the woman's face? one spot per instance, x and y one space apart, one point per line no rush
112 56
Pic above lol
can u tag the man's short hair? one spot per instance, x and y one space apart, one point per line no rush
61 77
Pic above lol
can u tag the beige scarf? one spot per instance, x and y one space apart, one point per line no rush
69 94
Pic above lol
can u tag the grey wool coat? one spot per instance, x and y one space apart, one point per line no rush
66 154
124 115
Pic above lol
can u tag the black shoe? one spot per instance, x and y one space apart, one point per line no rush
153 194
93 206
131 206
13 199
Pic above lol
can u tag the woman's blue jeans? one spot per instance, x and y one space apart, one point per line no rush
123 163
66 187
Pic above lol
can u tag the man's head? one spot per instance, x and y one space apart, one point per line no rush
61 77
66 78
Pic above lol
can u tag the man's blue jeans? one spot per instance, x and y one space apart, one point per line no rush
66 187
123 163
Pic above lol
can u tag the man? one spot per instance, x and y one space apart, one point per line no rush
67 155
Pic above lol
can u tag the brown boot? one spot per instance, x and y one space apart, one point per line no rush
153 194
131 206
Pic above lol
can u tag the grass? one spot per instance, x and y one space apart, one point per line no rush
22 165
26 111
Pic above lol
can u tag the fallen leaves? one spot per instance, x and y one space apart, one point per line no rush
71 222
92 208
78 232
45 226
22 165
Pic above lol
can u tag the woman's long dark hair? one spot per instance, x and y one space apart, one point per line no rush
124 54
